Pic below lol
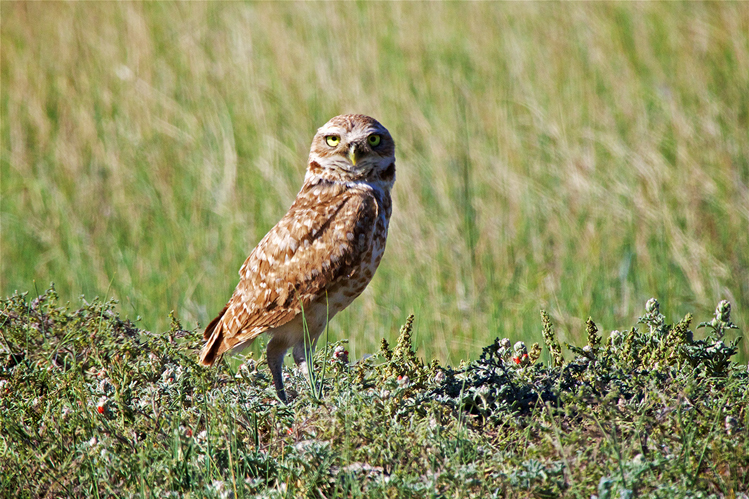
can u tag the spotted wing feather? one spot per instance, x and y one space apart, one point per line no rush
320 241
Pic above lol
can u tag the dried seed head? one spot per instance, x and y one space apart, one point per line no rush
652 306
723 311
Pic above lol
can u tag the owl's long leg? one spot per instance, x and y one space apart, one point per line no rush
275 352
302 351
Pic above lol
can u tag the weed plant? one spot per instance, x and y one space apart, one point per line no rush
92 406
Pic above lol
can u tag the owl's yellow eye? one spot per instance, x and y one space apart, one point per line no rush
333 140
374 140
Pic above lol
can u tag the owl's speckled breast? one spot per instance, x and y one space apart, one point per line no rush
342 293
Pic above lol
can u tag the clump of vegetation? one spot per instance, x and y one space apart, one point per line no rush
90 405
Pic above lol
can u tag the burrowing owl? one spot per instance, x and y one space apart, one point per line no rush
323 252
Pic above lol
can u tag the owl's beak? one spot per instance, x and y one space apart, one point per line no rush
354 154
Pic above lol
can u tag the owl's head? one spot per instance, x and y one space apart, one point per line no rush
353 147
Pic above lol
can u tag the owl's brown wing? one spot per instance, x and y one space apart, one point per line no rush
318 242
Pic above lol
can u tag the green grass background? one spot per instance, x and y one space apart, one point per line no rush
579 158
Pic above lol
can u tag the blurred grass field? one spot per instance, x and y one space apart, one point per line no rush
579 158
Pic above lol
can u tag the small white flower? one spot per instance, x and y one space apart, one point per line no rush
220 487
341 354
731 424
105 386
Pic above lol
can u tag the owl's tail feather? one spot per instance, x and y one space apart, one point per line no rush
215 335
212 325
